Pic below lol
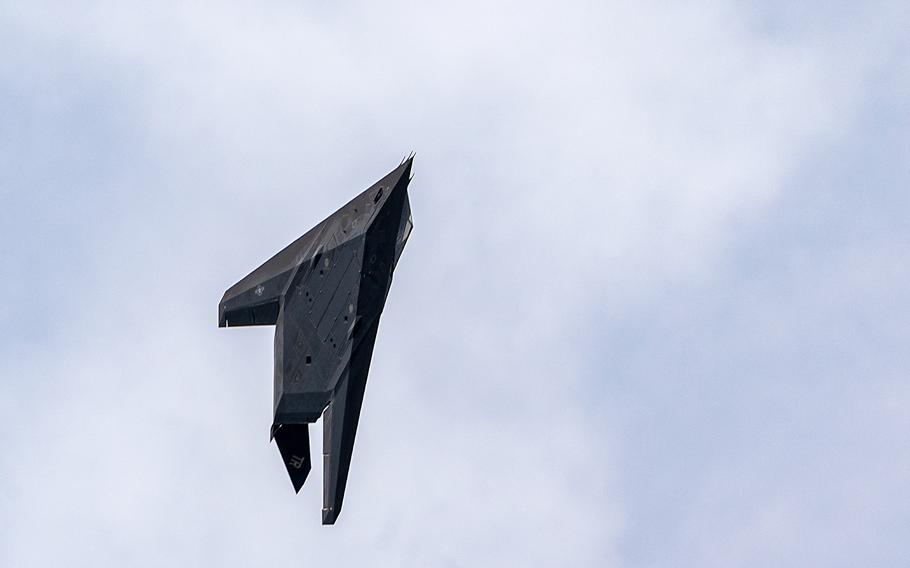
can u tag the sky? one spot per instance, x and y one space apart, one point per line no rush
653 310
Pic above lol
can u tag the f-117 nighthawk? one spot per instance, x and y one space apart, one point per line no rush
324 294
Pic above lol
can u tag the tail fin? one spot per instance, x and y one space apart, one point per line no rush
294 445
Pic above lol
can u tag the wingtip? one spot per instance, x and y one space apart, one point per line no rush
329 516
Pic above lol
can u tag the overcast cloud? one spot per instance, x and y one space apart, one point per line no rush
654 310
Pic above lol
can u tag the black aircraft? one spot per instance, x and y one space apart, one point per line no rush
324 294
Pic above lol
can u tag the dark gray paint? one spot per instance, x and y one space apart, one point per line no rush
324 293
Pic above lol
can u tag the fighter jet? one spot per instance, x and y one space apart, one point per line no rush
324 294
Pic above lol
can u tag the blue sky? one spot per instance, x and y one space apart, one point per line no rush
653 311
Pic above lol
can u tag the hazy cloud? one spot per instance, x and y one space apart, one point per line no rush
653 310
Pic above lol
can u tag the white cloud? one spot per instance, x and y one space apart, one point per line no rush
573 160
